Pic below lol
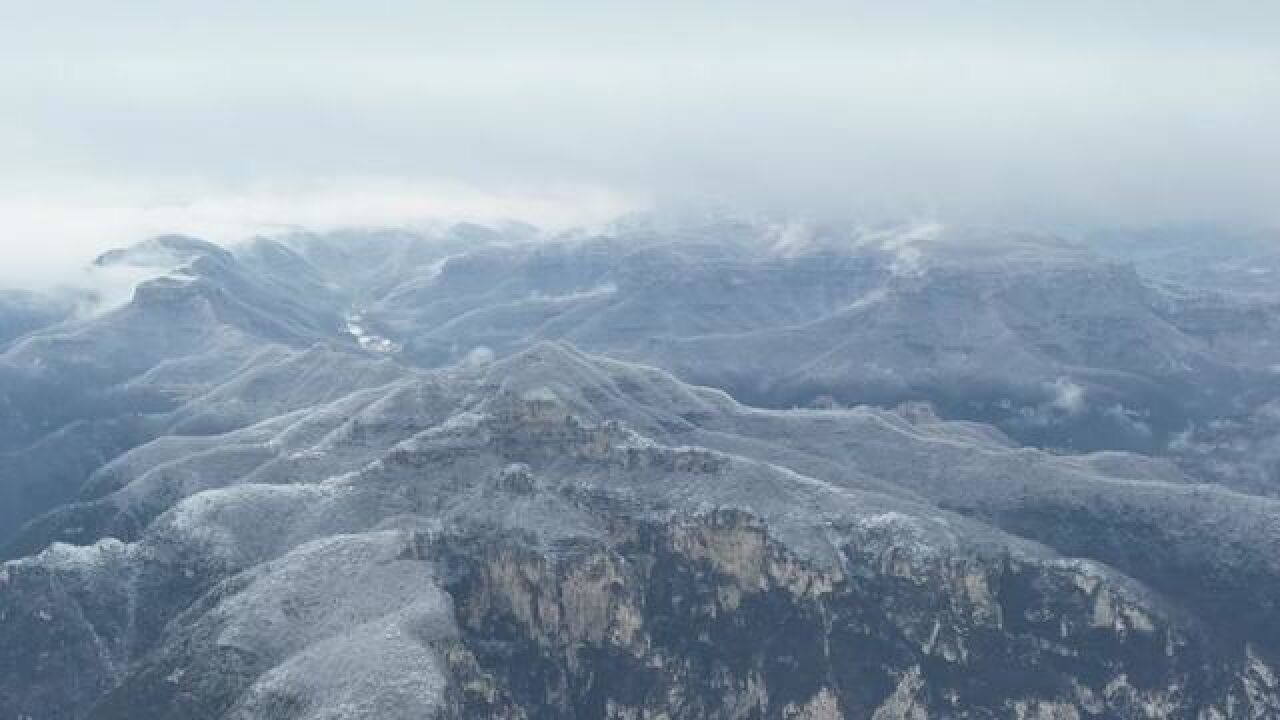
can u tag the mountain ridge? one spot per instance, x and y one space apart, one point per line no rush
639 544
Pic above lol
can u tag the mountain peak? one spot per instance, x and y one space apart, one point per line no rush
162 251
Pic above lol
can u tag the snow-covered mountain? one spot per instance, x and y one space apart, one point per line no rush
730 470
1055 344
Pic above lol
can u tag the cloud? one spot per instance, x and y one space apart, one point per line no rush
96 290
479 356
222 117
49 239
1068 396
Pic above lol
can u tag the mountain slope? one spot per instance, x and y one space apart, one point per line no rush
77 394
562 512
1058 346
483 473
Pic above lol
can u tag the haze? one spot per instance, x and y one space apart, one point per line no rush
118 121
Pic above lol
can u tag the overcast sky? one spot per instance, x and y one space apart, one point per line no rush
142 116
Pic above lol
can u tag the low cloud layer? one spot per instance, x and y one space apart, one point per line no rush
52 237
221 116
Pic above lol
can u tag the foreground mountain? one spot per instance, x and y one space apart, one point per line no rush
350 477
558 535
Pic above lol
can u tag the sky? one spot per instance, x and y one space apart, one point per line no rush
119 120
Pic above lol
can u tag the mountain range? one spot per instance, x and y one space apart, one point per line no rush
722 469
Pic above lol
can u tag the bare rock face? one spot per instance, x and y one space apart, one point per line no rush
708 617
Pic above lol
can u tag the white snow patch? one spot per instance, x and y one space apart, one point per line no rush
353 620
890 519
466 420
540 394
325 588
435 269
368 340
599 291
248 523
379 671
874 297
80 558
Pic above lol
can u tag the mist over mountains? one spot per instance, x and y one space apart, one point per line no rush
719 468
820 360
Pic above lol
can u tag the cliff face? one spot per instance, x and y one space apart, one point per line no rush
710 618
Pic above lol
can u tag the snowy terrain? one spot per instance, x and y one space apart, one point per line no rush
734 470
